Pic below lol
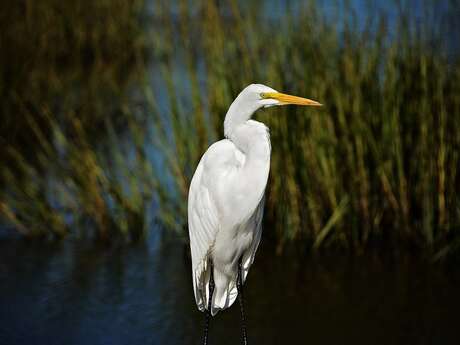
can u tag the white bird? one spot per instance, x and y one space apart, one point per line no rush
226 201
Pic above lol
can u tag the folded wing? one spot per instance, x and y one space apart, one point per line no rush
203 216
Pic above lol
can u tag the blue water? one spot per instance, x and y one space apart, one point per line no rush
77 293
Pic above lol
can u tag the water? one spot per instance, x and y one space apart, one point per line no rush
78 293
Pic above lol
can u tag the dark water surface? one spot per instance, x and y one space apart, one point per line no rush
74 293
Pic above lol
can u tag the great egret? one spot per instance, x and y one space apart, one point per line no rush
226 199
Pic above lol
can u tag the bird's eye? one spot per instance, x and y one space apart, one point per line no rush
263 95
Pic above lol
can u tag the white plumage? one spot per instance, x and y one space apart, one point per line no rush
226 197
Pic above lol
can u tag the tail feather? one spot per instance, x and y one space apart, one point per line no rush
225 292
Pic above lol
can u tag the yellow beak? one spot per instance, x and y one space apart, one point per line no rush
288 99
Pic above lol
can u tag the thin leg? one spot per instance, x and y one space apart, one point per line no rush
208 312
239 285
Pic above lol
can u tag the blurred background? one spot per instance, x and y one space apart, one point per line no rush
107 106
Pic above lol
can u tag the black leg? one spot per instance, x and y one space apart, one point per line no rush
208 312
239 285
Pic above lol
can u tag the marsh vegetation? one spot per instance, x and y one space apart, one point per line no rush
108 105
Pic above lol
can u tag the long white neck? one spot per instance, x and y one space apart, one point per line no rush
240 111
249 136
253 140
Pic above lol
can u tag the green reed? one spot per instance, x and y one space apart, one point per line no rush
66 69
378 162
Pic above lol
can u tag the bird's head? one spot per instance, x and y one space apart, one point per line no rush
262 96
254 97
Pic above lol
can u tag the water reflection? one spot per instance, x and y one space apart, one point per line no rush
76 293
